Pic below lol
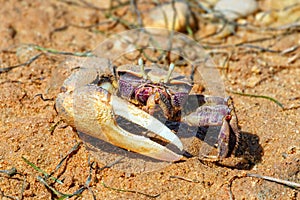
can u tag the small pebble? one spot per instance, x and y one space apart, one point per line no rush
256 70
252 81
234 9
226 31
25 52
162 17
266 18
128 175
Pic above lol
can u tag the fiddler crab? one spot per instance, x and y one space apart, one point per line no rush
137 93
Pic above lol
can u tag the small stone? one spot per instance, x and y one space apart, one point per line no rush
163 17
266 18
225 31
25 52
256 70
12 31
252 81
233 9
128 175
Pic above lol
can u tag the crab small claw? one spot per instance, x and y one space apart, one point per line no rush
207 115
91 109
215 112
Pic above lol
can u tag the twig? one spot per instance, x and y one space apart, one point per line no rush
23 187
137 12
120 189
92 25
247 44
74 149
290 184
111 164
43 180
6 196
52 128
185 179
174 16
42 97
11 172
258 96
47 50
54 51
123 22
131 191
31 60
89 179
290 49
85 4
262 49
276 180
41 171
58 193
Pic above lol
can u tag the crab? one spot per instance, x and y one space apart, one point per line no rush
138 93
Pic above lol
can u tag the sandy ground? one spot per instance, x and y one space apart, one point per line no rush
270 140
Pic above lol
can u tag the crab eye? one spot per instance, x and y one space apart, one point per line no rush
142 66
171 69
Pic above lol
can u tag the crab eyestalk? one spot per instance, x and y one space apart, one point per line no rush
142 66
171 69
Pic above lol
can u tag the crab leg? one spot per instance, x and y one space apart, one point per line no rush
91 109
214 111
207 116
224 139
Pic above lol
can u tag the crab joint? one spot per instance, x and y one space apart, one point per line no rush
142 66
171 69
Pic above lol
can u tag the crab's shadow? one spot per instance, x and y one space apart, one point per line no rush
245 155
109 152
248 150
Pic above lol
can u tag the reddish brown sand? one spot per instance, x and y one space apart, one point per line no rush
270 138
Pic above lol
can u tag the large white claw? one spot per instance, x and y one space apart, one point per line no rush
91 110
132 113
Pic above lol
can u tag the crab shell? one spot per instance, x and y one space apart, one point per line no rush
206 110
136 88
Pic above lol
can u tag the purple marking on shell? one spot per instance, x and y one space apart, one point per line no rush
179 99
214 118
125 89
208 118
